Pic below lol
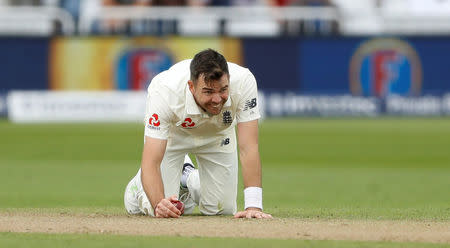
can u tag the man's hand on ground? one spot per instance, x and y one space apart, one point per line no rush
166 209
253 213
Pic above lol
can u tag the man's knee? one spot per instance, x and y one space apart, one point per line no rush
135 200
218 209
130 202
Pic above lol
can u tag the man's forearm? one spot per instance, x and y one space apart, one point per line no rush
152 183
152 156
251 167
251 173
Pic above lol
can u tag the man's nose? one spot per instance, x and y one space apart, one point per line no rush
216 98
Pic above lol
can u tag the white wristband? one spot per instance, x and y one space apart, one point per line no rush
253 197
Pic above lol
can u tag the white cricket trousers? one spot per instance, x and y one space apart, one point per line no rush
213 187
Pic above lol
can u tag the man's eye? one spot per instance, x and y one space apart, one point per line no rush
207 92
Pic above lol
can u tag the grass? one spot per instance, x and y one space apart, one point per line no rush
313 168
356 143
388 168
89 240
358 193
370 193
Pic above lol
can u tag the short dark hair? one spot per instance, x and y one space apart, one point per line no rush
210 64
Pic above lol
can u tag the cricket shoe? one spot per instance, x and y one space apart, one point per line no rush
185 195
187 169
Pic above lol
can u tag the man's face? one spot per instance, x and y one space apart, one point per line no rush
210 96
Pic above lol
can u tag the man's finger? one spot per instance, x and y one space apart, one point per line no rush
252 214
158 213
173 211
166 209
249 214
258 215
168 203
173 198
161 211
267 216
239 214
170 213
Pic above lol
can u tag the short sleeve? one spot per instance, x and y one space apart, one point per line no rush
157 117
248 108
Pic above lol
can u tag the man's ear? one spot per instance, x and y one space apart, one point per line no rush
191 86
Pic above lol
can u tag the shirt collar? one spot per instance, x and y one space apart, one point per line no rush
191 106
228 102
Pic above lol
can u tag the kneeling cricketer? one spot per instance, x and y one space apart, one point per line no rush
193 108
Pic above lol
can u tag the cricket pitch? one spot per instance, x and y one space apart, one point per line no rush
227 226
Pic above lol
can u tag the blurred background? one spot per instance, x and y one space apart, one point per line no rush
91 60
370 80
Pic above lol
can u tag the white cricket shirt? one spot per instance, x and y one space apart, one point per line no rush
172 113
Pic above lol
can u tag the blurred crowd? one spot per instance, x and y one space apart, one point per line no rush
82 8
70 4
77 7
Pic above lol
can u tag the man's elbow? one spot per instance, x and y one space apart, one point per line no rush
246 150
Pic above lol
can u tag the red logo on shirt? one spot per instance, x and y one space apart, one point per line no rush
153 121
188 123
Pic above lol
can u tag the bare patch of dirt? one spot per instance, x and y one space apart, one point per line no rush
203 226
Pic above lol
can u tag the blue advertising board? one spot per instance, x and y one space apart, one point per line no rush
375 66
324 65
24 63
291 104
352 76
357 76
136 67
361 66
3 106
274 62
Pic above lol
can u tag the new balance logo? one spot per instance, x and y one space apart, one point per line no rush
225 142
249 104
